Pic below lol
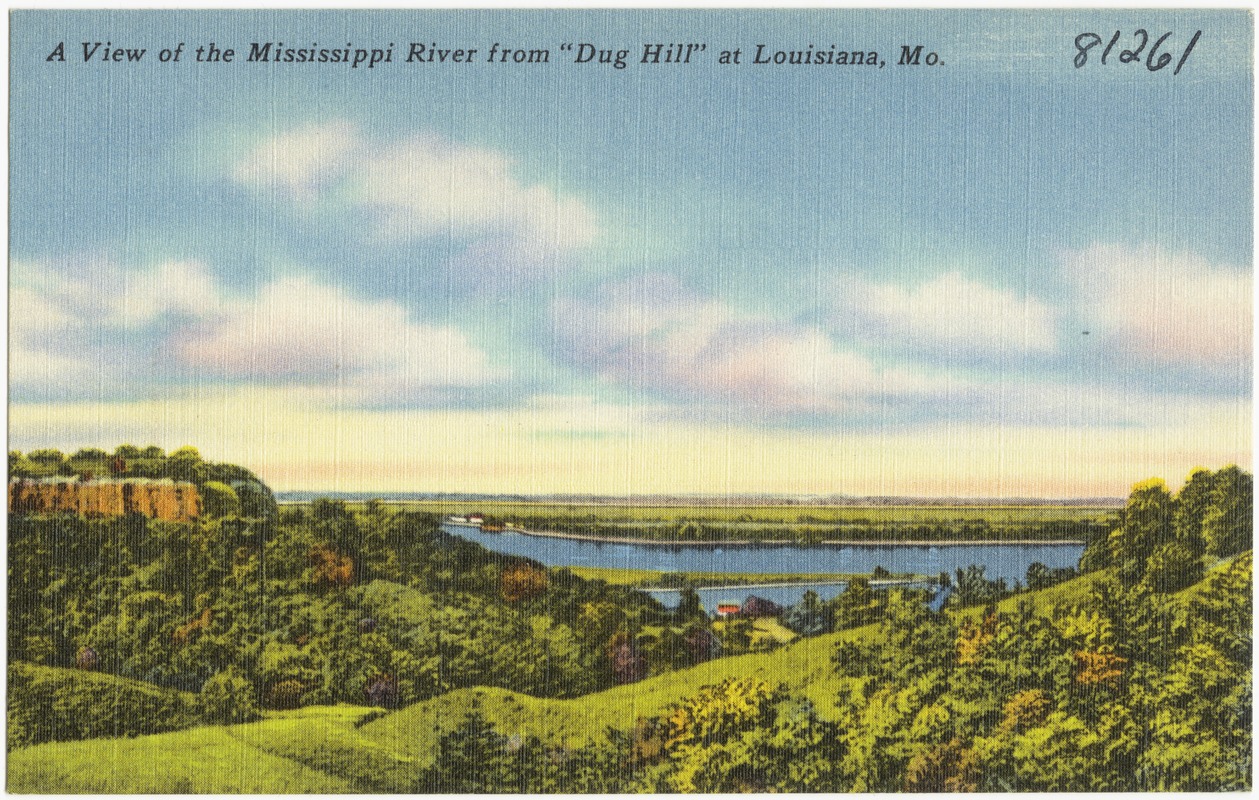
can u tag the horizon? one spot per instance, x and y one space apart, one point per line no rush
669 500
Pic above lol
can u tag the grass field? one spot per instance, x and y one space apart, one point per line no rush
767 514
800 524
210 759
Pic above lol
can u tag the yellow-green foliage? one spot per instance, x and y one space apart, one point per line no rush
881 724
47 704
212 759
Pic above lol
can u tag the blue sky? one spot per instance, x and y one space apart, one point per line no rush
997 275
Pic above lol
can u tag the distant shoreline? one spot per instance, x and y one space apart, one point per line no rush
296 497
875 583
582 537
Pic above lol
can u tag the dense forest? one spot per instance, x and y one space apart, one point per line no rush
1134 674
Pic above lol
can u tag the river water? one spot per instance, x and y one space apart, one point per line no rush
1008 561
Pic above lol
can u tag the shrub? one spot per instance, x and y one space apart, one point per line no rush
229 698
86 658
285 695
382 691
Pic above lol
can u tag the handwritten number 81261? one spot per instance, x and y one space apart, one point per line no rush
1154 59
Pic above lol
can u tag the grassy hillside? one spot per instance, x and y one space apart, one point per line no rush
55 704
212 759
348 748
320 749
804 666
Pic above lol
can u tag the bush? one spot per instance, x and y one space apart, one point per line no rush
229 698
285 695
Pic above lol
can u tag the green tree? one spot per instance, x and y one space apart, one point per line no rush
1192 503
185 464
689 607
1172 567
471 759
47 457
220 499
19 465
1038 576
1147 523
1228 520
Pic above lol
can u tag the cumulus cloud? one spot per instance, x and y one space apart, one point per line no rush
301 163
74 331
696 356
420 187
949 314
302 331
653 333
1168 308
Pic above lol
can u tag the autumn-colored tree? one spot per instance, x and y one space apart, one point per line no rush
185 632
1026 709
523 581
972 638
701 643
86 658
331 570
947 767
382 690
628 665
1098 669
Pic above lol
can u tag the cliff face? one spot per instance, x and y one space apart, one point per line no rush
158 499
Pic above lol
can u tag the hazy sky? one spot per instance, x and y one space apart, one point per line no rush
1000 275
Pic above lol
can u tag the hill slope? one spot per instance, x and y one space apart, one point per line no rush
353 748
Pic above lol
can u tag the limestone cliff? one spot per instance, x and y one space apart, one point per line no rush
160 499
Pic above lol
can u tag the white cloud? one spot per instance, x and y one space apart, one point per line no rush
172 287
302 162
427 186
296 329
653 333
948 314
56 372
423 186
73 331
1168 308
58 326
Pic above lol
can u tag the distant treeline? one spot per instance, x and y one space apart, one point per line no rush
813 533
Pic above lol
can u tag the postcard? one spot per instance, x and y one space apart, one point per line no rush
630 400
